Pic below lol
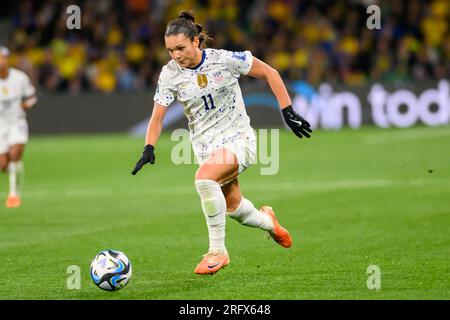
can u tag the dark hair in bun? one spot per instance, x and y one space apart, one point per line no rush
185 24
186 15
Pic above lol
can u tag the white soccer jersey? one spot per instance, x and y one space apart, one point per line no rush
13 90
210 94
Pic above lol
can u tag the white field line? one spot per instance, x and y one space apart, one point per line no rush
407 135
304 187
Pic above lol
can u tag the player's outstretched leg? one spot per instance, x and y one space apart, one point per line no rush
243 211
264 218
14 172
278 233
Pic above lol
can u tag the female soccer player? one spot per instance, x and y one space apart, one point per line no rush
205 81
17 94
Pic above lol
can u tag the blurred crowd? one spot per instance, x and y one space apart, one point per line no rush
120 46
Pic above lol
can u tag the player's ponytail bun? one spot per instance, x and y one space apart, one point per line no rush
185 24
186 15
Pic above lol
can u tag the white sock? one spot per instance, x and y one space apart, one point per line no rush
248 215
12 171
20 173
16 175
214 207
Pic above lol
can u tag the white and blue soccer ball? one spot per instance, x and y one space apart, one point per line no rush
111 270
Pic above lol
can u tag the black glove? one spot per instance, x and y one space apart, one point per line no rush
296 122
147 156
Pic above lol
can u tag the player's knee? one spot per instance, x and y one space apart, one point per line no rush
15 155
204 172
3 165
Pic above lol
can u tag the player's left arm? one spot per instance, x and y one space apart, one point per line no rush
296 122
29 94
262 70
29 102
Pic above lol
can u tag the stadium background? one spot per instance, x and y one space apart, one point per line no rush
117 54
368 196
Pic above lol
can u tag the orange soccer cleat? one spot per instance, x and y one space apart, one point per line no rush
279 234
12 201
212 262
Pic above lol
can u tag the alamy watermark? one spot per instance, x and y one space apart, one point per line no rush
267 150
374 280
73 21
74 278
374 20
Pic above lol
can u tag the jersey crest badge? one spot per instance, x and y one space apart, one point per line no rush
202 80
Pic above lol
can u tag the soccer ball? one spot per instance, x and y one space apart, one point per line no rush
111 270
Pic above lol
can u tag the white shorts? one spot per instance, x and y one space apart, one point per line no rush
242 144
13 133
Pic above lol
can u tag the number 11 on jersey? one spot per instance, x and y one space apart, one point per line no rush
206 102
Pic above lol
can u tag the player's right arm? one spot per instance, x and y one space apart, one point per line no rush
154 129
164 96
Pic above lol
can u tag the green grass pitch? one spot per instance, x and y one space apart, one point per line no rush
350 199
